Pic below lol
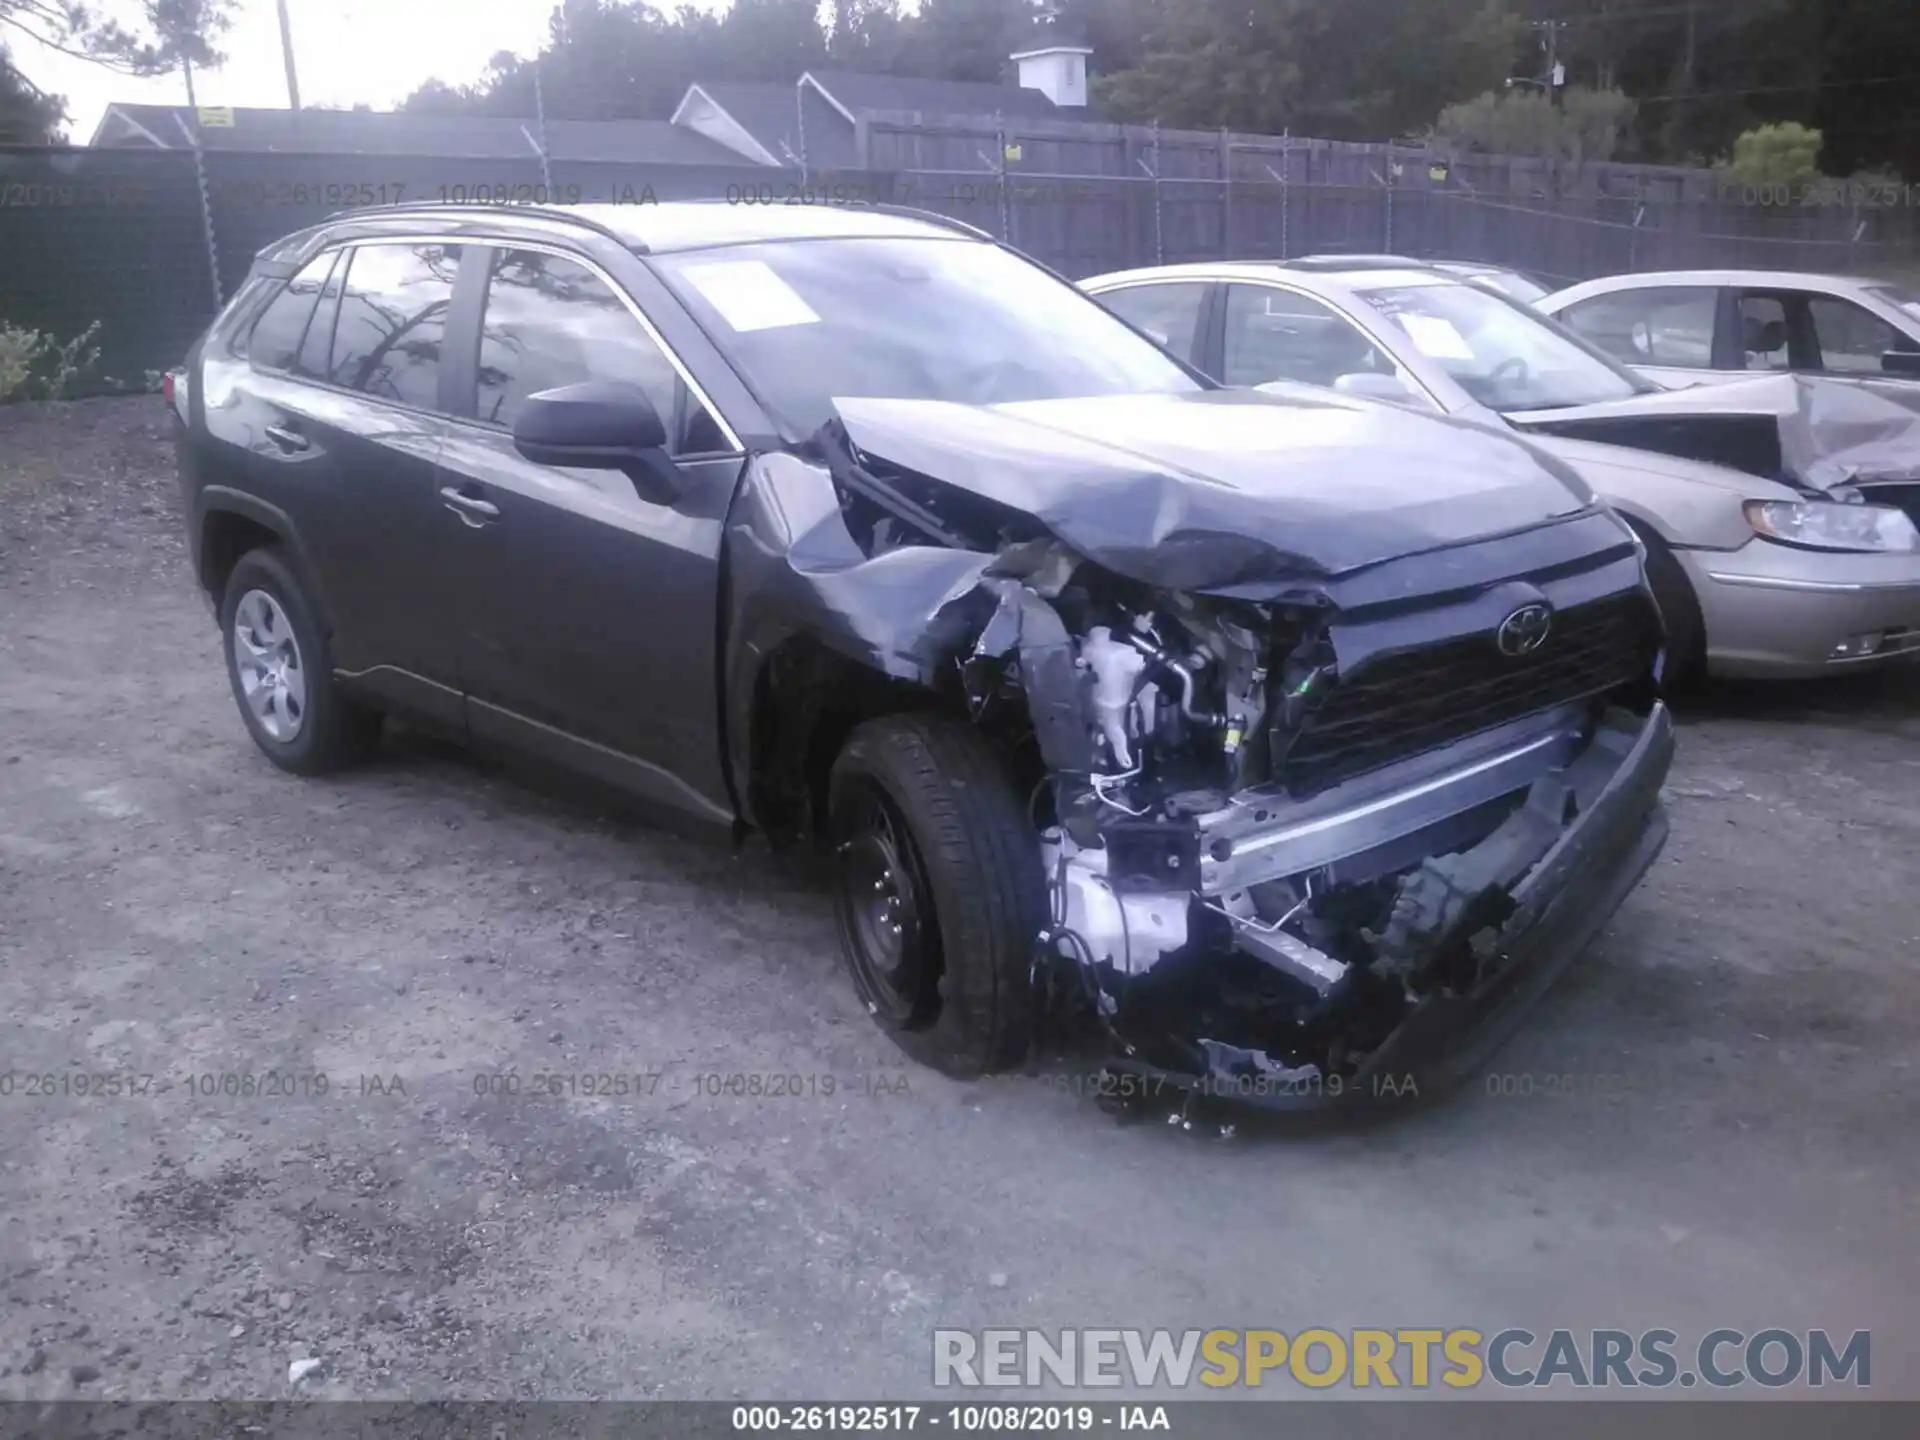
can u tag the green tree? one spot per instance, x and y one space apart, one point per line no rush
1586 124
1786 155
28 115
173 32
1361 69
868 35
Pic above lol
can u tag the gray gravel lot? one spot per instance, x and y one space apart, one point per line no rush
1739 1148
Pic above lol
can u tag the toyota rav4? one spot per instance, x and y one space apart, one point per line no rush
1300 737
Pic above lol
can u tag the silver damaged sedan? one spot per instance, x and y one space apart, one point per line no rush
1767 560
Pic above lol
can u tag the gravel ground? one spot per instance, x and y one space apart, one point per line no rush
1737 1148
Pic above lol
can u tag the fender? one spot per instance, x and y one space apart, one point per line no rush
214 500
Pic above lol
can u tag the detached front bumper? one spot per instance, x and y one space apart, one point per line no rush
1560 904
1776 612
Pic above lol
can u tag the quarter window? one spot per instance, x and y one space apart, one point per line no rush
1278 335
318 345
551 321
1669 325
276 334
1170 314
393 321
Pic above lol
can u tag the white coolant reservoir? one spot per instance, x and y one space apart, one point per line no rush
1116 668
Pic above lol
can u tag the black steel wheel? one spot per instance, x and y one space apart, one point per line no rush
938 891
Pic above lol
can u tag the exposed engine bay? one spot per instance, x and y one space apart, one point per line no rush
1281 806
1230 916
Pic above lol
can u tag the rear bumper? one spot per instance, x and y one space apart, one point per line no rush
1561 904
1772 611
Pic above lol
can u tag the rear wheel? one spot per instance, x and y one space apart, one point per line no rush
282 674
938 890
1686 629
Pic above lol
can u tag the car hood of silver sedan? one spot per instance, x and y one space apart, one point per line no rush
1216 489
1817 433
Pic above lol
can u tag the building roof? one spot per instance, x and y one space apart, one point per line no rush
751 114
365 132
855 92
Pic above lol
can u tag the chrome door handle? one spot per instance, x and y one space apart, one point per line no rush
470 508
290 440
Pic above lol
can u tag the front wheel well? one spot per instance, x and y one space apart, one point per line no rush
807 701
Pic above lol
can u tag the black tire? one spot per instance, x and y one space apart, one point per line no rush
968 875
333 731
1686 629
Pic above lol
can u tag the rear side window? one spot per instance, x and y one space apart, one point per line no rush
277 333
550 322
1170 314
393 321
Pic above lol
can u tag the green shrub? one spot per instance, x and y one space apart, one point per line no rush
1783 157
36 366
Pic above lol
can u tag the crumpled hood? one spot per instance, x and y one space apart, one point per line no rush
1821 432
1221 488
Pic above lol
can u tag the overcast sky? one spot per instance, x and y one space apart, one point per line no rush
348 52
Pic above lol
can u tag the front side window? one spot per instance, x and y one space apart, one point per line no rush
1278 335
809 321
1170 314
276 336
393 321
1503 355
1668 325
550 321
1852 340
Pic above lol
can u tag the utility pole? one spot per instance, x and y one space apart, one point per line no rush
186 68
1556 73
286 52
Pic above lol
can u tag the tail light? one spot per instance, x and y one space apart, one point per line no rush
166 387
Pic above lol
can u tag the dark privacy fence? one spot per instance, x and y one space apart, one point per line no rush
147 242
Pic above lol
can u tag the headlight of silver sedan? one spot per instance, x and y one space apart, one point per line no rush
1822 525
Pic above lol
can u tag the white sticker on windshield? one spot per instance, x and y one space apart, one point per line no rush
749 295
1435 336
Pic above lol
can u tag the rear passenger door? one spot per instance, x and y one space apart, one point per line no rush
349 385
588 616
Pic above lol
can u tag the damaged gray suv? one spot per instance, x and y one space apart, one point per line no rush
1300 739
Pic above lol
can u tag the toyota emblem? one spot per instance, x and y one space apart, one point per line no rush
1525 630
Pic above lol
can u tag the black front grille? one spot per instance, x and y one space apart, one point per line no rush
1401 705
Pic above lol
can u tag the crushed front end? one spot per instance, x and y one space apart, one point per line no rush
1315 847
1324 791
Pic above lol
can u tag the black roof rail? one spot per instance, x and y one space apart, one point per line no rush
438 207
882 207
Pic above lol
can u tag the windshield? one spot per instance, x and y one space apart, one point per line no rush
1506 357
806 321
1907 299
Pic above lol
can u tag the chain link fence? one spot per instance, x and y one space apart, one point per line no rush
148 242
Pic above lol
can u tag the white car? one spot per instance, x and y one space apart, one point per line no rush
1694 327
1758 573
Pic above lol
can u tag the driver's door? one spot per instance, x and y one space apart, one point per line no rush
587 614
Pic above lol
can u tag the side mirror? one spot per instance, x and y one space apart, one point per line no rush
600 425
1901 362
1374 385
